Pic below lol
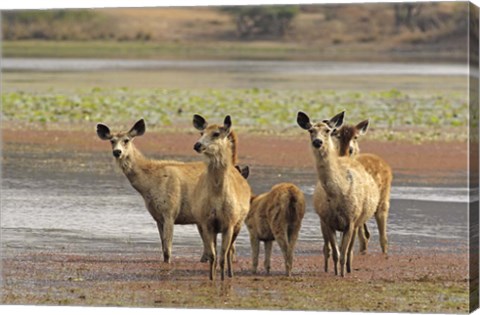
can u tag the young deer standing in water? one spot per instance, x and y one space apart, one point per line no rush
347 144
222 195
164 185
276 216
345 196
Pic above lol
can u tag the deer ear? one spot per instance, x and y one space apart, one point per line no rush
244 171
103 132
227 123
138 129
337 120
199 122
362 127
303 121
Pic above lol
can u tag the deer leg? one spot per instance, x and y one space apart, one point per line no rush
212 257
363 238
255 244
283 243
168 237
350 251
204 257
326 244
160 227
268 256
381 217
208 238
227 237
231 252
346 239
335 254
292 240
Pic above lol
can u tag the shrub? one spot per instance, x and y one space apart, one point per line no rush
270 21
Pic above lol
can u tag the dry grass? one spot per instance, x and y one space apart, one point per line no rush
170 23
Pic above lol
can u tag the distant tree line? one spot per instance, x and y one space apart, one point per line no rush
250 22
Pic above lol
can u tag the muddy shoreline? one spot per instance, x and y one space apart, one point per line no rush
418 281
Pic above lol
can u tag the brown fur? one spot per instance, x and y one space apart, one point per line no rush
382 175
222 195
276 215
345 196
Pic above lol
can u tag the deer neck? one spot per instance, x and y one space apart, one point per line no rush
329 171
217 167
131 165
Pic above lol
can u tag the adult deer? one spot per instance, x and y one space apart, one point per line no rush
222 195
345 196
164 185
347 143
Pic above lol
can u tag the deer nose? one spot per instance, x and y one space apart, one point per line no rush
317 143
197 147
117 153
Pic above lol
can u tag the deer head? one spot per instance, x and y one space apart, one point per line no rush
121 141
214 138
346 138
321 132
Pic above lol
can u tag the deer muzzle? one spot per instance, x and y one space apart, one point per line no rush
117 153
198 147
317 143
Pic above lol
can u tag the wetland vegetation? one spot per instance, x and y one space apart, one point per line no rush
259 110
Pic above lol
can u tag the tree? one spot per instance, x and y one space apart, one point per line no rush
253 21
416 16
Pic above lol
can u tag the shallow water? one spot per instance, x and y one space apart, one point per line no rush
88 212
239 66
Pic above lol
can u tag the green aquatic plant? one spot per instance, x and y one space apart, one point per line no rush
252 108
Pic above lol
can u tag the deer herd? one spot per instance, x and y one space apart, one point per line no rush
216 197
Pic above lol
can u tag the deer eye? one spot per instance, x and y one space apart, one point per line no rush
112 141
201 133
126 141
216 134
